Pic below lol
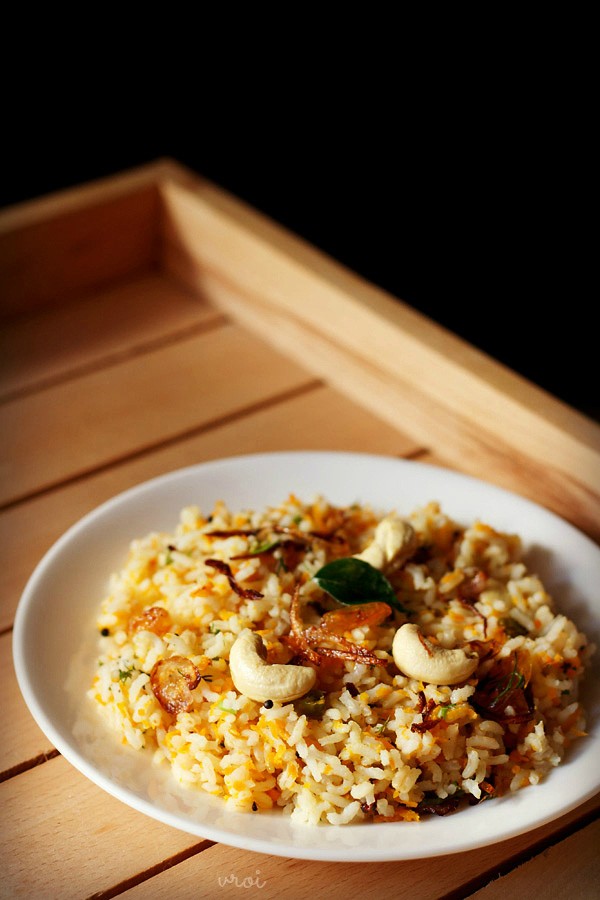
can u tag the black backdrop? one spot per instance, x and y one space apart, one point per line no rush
484 231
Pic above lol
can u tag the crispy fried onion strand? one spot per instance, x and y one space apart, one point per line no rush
225 569
306 538
427 708
469 591
306 642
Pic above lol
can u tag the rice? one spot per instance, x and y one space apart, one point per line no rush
368 743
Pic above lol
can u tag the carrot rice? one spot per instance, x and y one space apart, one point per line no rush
368 743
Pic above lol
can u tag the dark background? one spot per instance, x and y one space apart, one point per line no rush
478 219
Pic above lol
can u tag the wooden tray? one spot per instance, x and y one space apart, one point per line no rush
151 321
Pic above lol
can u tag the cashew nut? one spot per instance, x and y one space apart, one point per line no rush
393 542
253 676
419 658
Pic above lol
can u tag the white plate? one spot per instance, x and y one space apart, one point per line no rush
57 610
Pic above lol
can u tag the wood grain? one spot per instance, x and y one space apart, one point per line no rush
382 353
548 870
22 741
464 439
101 842
210 875
126 844
155 322
88 332
320 419
60 249
77 426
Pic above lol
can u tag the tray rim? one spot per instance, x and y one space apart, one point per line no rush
413 372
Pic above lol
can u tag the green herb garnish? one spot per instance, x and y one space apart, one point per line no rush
515 682
379 729
281 566
352 581
124 674
263 547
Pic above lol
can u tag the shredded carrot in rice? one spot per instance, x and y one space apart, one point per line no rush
395 746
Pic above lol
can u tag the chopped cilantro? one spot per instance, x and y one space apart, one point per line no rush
379 729
124 674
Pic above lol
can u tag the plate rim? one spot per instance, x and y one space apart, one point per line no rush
83 765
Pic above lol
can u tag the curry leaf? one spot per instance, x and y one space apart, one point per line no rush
353 581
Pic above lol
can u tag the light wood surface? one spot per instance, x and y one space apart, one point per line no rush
383 354
23 744
548 870
427 879
316 419
98 329
151 323
124 409
62 247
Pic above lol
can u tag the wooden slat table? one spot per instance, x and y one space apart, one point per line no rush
152 322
